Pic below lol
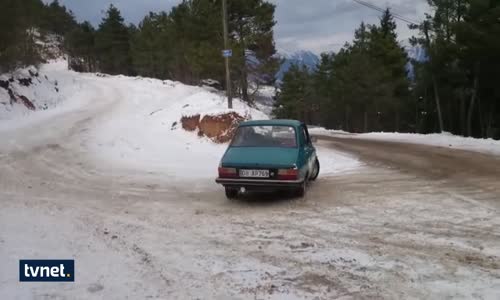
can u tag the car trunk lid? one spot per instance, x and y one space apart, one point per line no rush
260 157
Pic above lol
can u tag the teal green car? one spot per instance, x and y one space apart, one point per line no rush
269 155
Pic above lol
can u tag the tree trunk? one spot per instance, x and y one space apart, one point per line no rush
462 116
365 121
346 118
434 81
472 102
244 86
489 133
397 120
481 121
438 103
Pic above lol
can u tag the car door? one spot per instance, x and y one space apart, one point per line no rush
309 150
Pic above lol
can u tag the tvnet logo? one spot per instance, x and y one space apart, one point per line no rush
46 270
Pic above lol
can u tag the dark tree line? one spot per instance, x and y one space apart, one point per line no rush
366 85
24 21
363 87
184 44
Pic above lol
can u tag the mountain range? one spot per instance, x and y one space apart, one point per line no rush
301 58
311 60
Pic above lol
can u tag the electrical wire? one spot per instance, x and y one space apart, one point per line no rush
380 9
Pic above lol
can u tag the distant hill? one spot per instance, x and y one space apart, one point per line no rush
304 58
415 54
311 60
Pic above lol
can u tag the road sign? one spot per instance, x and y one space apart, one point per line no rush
227 53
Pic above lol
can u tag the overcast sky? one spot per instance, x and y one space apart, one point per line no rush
316 25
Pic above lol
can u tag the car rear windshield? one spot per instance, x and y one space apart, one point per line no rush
265 136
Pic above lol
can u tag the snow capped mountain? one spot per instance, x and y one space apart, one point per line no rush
417 53
302 58
311 60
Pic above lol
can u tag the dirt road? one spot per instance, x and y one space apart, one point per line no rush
413 222
473 174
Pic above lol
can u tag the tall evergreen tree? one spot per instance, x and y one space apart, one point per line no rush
19 21
57 19
113 44
295 100
80 45
385 49
251 24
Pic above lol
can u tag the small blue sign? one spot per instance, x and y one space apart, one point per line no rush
47 270
227 53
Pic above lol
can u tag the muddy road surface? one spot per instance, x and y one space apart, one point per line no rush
414 222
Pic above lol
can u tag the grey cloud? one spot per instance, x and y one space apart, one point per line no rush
132 10
325 25
317 25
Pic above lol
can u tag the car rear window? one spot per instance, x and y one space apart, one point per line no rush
265 136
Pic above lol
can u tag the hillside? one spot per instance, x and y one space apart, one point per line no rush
301 58
135 121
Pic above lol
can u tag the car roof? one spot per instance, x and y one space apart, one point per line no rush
276 122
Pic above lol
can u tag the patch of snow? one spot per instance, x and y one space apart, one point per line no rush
264 99
53 85
446 140
144 130
334 162
321 130
134 122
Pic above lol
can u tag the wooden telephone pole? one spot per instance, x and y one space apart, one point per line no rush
227 54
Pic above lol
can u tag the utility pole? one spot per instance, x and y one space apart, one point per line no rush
227 55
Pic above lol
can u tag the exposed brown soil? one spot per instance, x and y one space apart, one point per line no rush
219 128
190 123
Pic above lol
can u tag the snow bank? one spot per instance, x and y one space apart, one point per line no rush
334 162
144 131
447 140
133 123
53 91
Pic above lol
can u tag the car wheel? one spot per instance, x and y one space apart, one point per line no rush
316 171
231 193
301 191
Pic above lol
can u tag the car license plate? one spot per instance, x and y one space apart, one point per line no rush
254 173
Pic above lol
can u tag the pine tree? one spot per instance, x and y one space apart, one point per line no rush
295 99
251 24
112 44
57 19
385 49
18 20
80 45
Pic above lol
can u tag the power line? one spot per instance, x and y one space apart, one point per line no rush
380 9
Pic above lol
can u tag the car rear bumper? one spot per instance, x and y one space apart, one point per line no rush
259 183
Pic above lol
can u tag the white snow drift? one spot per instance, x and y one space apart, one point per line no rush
447 140
136 126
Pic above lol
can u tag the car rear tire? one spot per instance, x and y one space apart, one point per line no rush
316 170
231 193
301 191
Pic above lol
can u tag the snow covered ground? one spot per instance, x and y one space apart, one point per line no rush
52 85
138 127
447 140
89 179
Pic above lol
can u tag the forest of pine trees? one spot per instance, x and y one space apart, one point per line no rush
365 86
183 44
21 21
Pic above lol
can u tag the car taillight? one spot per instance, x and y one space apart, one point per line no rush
227 172
288 174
